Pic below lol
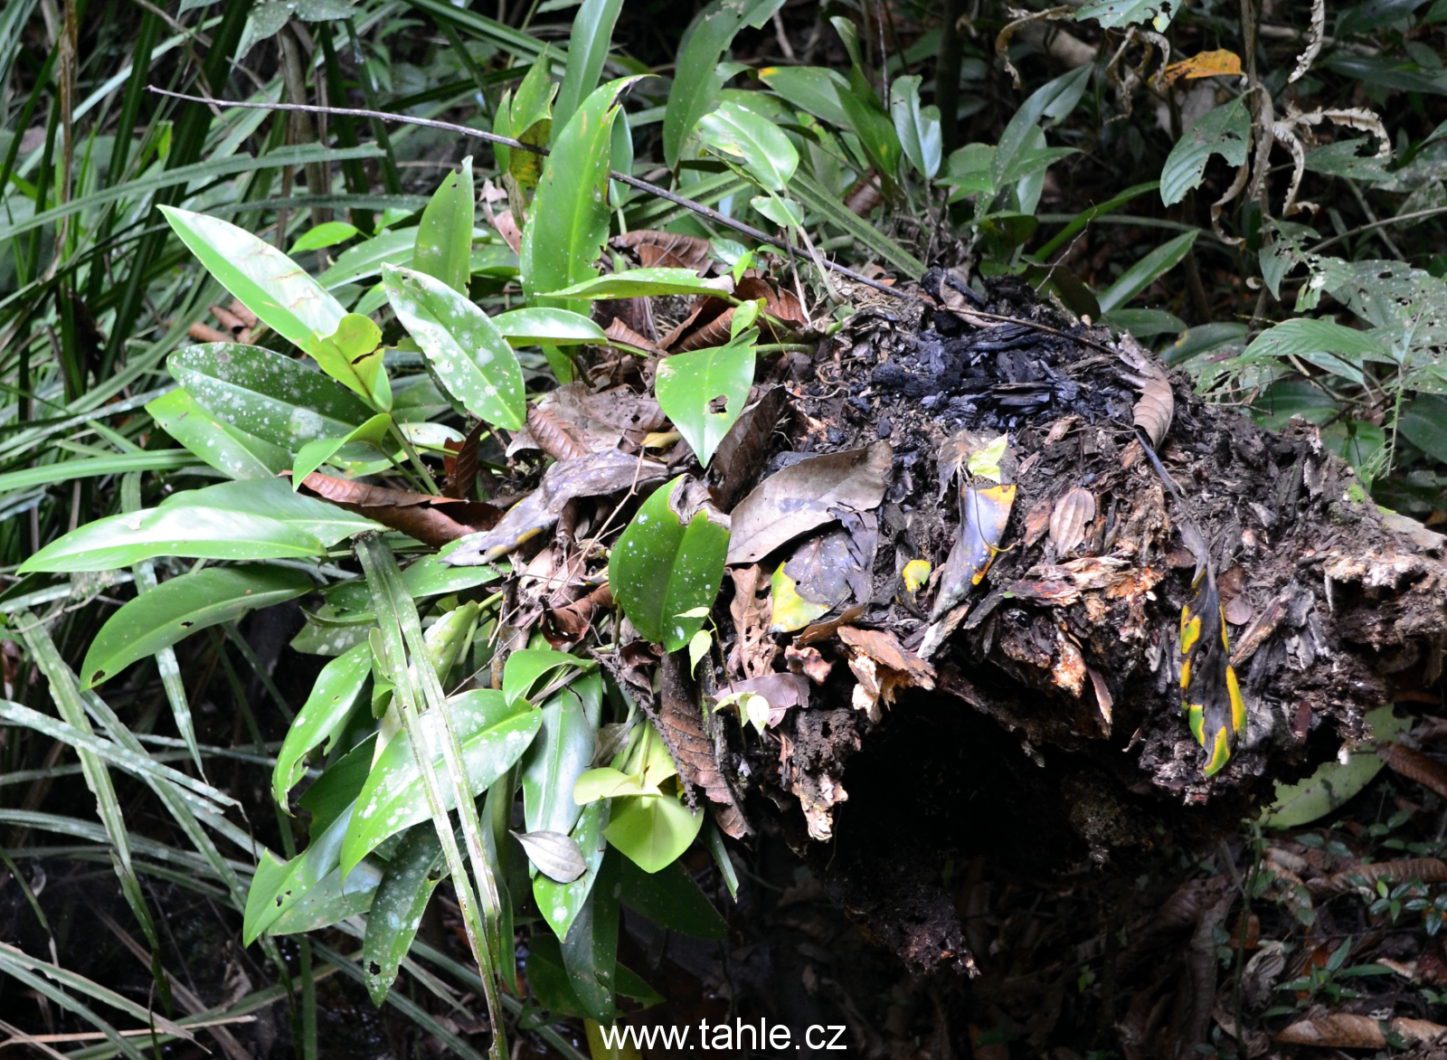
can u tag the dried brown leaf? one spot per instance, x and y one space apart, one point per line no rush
1425 870
460 465
1071 515
682 722
737 460
670 250
1345 1030
432 520
754 649
592 420
807 495
619 331
1414 765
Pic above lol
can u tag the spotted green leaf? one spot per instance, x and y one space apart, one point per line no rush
444 235
704 391
321 717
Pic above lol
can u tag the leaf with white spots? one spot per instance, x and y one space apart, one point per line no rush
704 391
321 717
411 876
466 351
493 736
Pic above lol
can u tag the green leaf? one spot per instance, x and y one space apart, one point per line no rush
661 569
1424 423
672 900
276 398
1114 14
253 519
228 449
751 140
464 348
690 385
874 128
653 831
444 235
641 283
587 51
267 282
311 882
351 355
590 952
559 756
525 666
493 736
605 782
396 911
1146 271
562 327
314 454
526 116
321 717
697 81
1224 131
568 222
918 127
326 234
815 90
1309 338
181 606
1335 782
560 903
825 205
393 247
1054 100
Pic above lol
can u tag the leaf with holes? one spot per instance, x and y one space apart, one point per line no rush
465 349
1224 131
704 391
663 570
179 607
1115 14
396 911
321 717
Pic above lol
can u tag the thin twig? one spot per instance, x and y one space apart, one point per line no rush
517 145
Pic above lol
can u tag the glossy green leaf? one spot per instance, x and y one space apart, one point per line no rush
393 247
1053 100
815 90
314 454
321 718
493 736
560 903
590 952
918 127
561 753
568 223
276 398
526 115
752 141
562 327
466 351
663 571
587 51
326 234
672 900
1334 782
704 391
444 235
875 129
309 890
179 607
1224 131
396 911
1113 14
352 355
606 782
252 519
230 450
526 666
641 283
653 831
696 81
1147 271
267 282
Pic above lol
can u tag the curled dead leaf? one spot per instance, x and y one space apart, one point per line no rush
1345 1030
1071 515
430 519
669 250
1414 765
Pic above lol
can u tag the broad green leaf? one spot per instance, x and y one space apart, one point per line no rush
393 247
662 570
326 234
276 398
568 222
560 903
641 283
587 51
605 782
751 140
1114 14
1224 131
428 576
321 717
267 282
1334 782
590 952
396 911
1424 423
1147 270
697 80
179 607
815 90
672 900
559 756
466 351
309 889
526 115
691 385
252 519
526 666
918 127
352 355
1322 342
562 327
1054 100
230 450
444 235
493 736
653 831
875 129
786 213
314 454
